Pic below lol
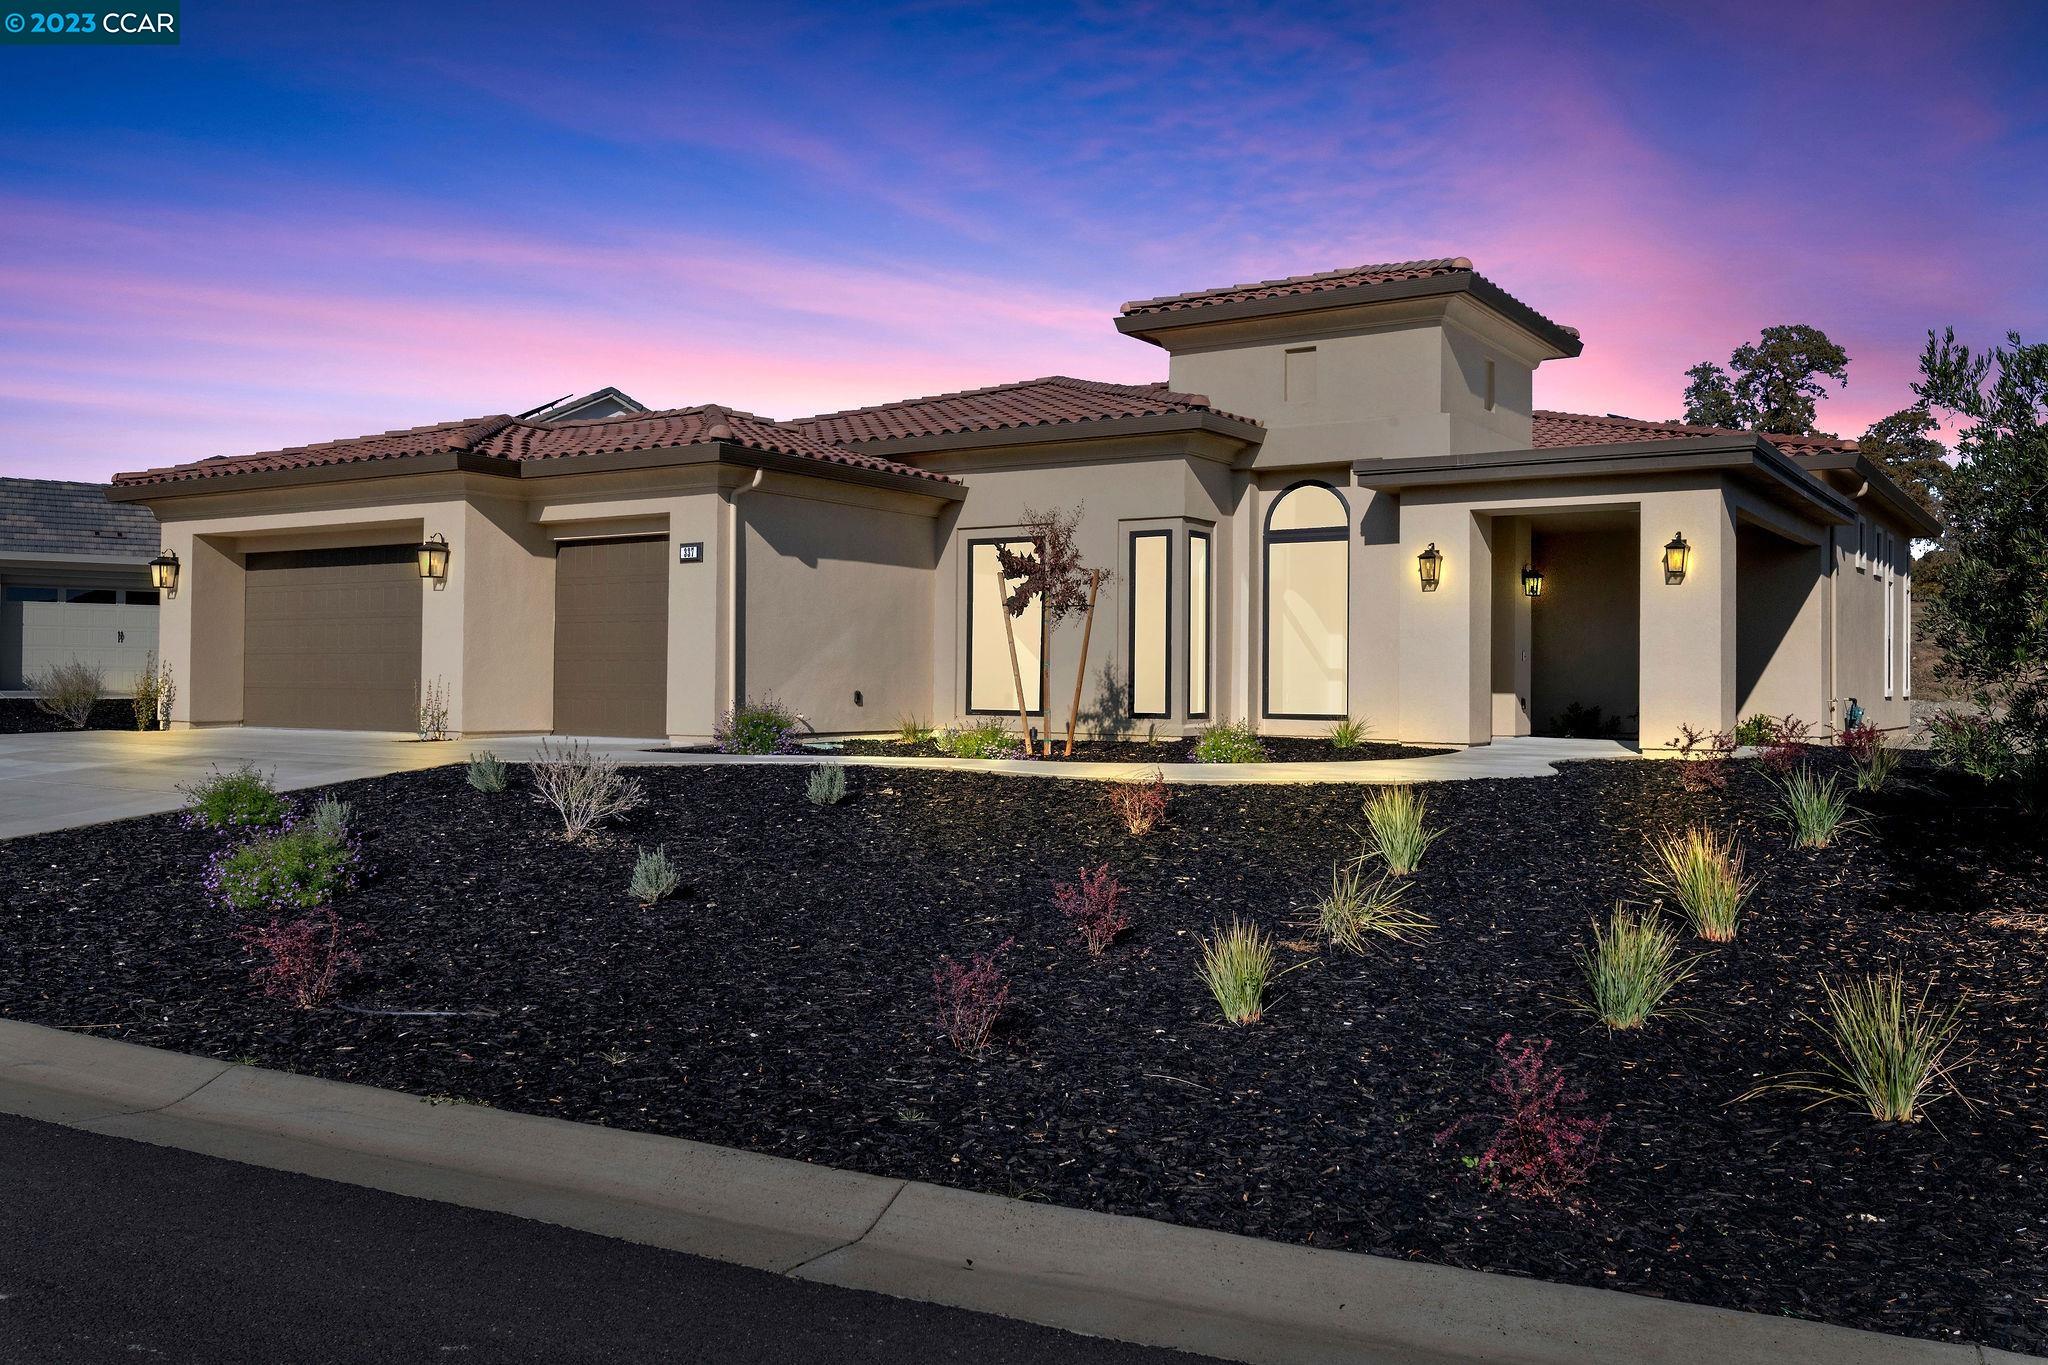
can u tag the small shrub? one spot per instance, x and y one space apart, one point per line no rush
303 958
432 721
1875 759
970 998
1631 967
1356 909
486 772
1817 808
153 694
1786 747
1400 836
238 799
1538 1150
1702 871
583 787
330 820
912 731
1974 744
1228 742
1349 734
293 869
69 691
758 727
826 785
1883 1053
654 877
1237 966
1093 904
1140 804
1756 731
1703 758
989 738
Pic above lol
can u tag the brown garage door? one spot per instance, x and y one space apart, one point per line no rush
331 638
611 637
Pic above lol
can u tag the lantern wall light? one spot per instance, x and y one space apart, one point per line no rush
1430 565
163 572
1532 580
1677 558
434 558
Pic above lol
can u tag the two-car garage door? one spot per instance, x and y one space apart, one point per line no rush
331 638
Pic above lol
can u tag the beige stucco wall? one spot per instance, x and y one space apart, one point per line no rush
1856 615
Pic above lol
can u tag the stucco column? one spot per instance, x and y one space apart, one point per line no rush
704 629
1513 625
1446 635
199 631
504 578
1688 629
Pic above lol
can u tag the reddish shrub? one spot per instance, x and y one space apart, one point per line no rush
304 957
1094 902
970 996
1140 806
1703 758
1538 1151
1787 744
1860 742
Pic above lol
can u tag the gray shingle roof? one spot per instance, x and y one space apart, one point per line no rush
58 517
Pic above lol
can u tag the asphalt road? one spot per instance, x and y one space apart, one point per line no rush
112 1250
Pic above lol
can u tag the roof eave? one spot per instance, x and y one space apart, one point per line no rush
1146 326
1881 485
342 471
1079 429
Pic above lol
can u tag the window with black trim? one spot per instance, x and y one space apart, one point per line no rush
991 683
1308 601
1201 611
1151 591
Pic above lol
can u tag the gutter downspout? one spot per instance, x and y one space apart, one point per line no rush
730 533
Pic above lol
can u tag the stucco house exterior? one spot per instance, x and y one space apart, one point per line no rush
1336 503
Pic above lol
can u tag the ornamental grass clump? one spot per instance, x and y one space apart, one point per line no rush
238 799
654 878
969 998
1884 1052
1398 818
913 731
1539 1150
302 959
826 786
1348 734
69 691
1875 759
584 788
299 868
153 694
758 727
1817 808
980 739
1139 805
1631 967
1093 903
1702 871
1237 966
1227 742
1360 907
486 772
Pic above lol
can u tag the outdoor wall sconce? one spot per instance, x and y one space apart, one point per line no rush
1532 580
434 558
1430 565
163 572
1677 558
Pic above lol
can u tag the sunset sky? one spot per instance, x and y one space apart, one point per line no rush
305 223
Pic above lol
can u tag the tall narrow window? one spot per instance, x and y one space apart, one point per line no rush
1884 583
1307 604
1151 558
1490 394
991 686
1200 606
1906 633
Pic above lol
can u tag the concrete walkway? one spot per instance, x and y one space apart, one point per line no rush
1237 1298
58 781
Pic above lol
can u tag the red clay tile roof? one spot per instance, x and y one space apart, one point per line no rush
1026 403
1554 429
1302 284
511 438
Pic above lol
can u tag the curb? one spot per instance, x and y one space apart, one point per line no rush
1159 1284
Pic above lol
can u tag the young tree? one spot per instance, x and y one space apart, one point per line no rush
1991 619
1769 384
1054 575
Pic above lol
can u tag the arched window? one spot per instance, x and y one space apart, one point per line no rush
1308 546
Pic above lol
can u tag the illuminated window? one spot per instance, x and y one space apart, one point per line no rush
1307 604
991 687
1151 574
1200 605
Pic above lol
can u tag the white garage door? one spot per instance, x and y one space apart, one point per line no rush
41 627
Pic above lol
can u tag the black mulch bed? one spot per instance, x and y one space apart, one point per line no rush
782 1003
21 716
1132 750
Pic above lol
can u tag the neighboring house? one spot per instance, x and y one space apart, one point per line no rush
1334 505
74 581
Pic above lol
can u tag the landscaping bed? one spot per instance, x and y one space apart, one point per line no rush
21 716
1127 750
782 1000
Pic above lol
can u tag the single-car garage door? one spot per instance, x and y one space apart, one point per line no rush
331 638
611 637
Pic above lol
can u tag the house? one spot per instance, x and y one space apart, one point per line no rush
74 581
1341 500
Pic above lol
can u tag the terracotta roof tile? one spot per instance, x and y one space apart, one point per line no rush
1385 273
1554 429
1002 407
